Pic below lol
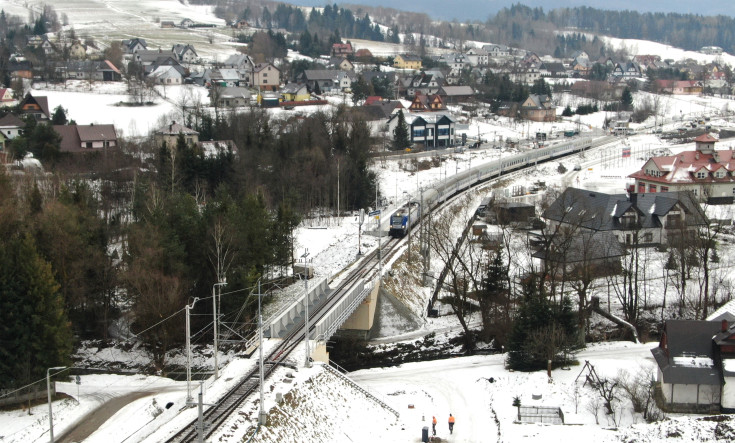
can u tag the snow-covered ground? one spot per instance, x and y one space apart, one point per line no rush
317 405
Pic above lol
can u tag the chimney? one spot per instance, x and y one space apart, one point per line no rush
724 325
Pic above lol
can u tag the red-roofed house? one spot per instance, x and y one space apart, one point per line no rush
6 95
341 49
708 173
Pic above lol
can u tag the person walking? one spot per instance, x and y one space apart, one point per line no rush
433 425
451 423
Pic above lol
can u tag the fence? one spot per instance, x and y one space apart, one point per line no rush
541 414
24 395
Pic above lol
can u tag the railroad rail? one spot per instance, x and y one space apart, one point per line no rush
366 268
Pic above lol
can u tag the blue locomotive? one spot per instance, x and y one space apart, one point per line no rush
403 218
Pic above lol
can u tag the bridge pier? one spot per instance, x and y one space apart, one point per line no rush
320 353
361 321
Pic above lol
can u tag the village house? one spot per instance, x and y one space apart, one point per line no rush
477 57
229 97
294 92
167 75
341 63
228 77
185 53
456 94
627 70
265 77
429 129
427 103
11 126
134 45
407 61
696 366
424 84
91 70
708 173
170 134
634 219
326 80
35 106
341 50
86 138
496 51
6 95
538 108
679 87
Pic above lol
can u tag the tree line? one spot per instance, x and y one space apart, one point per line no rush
157 225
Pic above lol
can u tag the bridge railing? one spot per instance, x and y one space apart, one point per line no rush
280 322
340 312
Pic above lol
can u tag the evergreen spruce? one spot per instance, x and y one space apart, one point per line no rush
401 139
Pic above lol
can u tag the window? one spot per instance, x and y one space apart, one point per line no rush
418 132
701 174
88 145
647 237
666 189
651 188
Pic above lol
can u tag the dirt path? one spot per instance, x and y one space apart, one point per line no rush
92 421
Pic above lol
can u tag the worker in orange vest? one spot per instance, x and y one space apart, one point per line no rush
451 423
433 425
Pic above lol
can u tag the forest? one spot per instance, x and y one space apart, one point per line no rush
155 226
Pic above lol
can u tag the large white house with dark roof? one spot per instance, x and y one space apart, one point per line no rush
640 219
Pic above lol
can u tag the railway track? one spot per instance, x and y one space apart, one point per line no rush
217 414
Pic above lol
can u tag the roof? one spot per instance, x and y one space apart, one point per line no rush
176 129
682 167
410 57
688 357
323 74
41 101
11 121
238 92
603 212
582 247
456 91
72 136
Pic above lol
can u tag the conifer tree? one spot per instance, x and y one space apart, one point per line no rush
400 137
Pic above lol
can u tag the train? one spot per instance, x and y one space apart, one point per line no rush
403 218
400 221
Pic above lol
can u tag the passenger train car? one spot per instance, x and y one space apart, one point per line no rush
442 191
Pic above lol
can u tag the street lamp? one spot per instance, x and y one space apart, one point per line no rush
48 391
216 331
305 276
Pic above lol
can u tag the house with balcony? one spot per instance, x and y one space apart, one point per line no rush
708 173
633 219
427 129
